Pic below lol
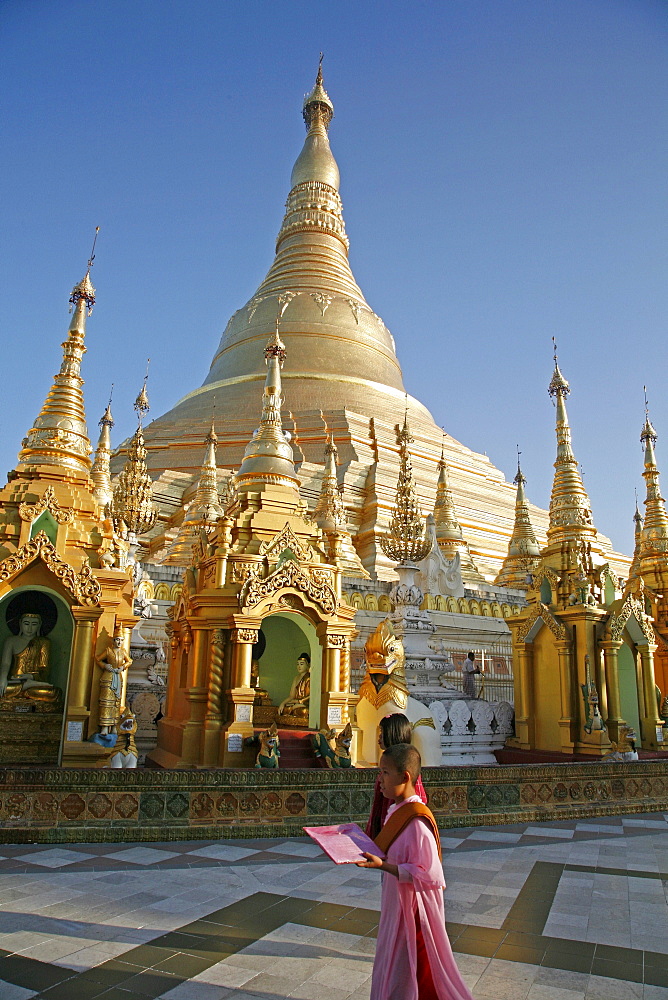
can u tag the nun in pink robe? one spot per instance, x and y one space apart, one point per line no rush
414 899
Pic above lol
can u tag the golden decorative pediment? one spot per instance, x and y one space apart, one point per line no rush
631 607
31 511
541 611
292 577
83 586
286 539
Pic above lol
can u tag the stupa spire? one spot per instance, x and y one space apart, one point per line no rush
405 542
570 509
59 436
268 456
204 510
634 569
654 537
448 529
329 513
133 510
523 548
100 473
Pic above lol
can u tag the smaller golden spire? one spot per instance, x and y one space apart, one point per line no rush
268 456
523 549
204 510
101 473
654 537
634 569
405 542
570 510
449 534
330 513
59 436
132 506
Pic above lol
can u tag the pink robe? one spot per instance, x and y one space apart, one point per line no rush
417 891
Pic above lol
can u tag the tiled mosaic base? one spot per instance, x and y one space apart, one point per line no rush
50 805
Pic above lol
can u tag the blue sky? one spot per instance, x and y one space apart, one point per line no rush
503 175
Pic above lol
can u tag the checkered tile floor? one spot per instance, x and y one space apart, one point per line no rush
573 910
194 854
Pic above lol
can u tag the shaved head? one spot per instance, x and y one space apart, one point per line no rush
404 757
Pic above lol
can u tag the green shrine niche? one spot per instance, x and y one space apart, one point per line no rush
47 523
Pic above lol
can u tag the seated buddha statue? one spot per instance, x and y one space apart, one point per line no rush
296 705
24 666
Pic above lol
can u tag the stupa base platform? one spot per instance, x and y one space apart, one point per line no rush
55 805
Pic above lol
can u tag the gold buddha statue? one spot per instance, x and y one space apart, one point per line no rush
113 662
24 666
294 710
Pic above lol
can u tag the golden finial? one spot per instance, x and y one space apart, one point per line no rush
648 433
405 542
106 420
519 478
84 290
141 404
317 105
558 385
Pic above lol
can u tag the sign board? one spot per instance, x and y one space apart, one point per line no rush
243 713
74 732
235 742
334 715
659 734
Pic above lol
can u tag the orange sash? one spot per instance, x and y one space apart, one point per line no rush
399 819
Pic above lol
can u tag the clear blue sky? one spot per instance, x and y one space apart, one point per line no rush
503 174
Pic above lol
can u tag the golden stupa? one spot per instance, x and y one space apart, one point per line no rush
343 382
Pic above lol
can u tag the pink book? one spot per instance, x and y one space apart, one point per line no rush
345 844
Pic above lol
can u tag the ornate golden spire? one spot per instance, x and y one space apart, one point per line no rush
405 543
132 504
268 456
100 473
449 532
329 513
204 510
448 528
59 436
654 537
570 510
523 549
634 569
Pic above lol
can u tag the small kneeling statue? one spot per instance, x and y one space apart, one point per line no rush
296 705
25 663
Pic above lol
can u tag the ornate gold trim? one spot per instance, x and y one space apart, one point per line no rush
543 612
83 586
286 539
290 576
31 511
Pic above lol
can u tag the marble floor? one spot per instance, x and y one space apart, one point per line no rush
570 910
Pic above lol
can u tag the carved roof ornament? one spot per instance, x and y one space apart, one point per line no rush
523 549
631 607
287 539
83 586
405 543
31 511
289 575
132 504
542 612
59 436
570 510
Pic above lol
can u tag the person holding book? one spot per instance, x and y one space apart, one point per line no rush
414 960
392 729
